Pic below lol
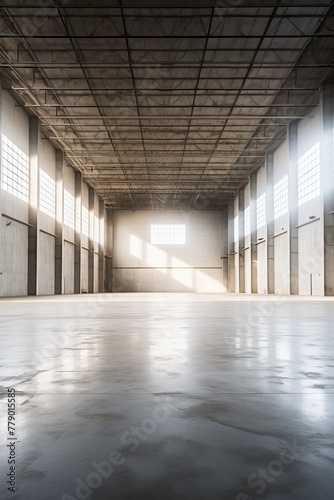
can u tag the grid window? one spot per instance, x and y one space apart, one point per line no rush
84 221
168 234
281 199
15 170
69 209
236 229
47 194
247 221
261 211
309 175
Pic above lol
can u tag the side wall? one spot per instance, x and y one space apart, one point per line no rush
57 246
281 225
14 212
296 238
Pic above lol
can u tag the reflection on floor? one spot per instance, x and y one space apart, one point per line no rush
169 396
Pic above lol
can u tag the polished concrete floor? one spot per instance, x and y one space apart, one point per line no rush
169 397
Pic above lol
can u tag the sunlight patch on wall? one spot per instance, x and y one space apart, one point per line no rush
136 247
155 257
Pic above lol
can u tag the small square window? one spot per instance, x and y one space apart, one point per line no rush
168 234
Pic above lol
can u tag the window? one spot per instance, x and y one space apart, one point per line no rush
69 209
84 221
47 194
168 234
15 170
281 200
261 211
247 221
236 229
309 175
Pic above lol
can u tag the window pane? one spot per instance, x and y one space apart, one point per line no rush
47 194
281 200
309 174
168 234
69 209
15 170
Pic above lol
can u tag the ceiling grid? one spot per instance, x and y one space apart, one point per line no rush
159 104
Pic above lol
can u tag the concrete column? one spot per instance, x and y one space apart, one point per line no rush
0 149
78 233
101 248
59 240
224 251
253 228
293 207
91 258
241 243
108 248
231 258
33 228
270 223
327 183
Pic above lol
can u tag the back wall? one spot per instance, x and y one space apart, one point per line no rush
139 266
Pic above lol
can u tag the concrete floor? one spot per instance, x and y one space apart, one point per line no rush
169 397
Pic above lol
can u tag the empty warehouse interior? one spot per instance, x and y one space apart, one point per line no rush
166 249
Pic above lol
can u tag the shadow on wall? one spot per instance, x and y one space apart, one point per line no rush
158 271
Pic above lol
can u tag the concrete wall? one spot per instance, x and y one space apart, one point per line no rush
310 236
68 267
69 236
13 233
85 242
47 227
15 122
96 246
69 186
224 247
247 251
85 255
232 271
96 272
46 268
309 273
261 233
54 240
140 266
281 226
109 241
236 244
14 258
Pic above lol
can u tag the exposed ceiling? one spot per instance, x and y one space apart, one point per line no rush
166 104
